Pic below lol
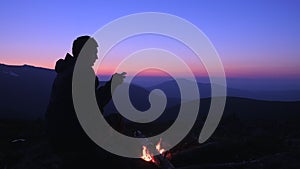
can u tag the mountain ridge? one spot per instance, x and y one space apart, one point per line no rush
25 92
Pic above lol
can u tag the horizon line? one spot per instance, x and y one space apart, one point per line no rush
245 76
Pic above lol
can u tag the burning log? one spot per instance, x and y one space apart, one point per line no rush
148 149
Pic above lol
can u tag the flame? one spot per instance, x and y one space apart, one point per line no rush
147 156
158 147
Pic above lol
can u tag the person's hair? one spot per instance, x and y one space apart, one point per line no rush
80 41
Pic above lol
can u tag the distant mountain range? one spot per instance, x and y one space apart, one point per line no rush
171 89
25 92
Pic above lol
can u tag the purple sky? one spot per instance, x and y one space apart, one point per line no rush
257 38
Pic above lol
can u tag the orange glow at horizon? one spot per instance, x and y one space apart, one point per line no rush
231 70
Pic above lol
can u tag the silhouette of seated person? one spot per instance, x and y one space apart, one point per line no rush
62 126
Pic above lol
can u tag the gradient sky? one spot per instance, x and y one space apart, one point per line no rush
254 38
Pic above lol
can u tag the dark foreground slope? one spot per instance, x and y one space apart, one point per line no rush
252 134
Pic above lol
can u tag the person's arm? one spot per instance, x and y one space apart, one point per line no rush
104 93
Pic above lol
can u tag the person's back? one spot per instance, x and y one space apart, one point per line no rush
64 131
63 128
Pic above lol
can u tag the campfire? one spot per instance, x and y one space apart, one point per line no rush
161 160
148 156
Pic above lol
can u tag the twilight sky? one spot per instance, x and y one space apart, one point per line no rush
254 38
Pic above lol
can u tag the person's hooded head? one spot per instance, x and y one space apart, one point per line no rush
85 47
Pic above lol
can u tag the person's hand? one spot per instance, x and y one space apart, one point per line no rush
117 79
